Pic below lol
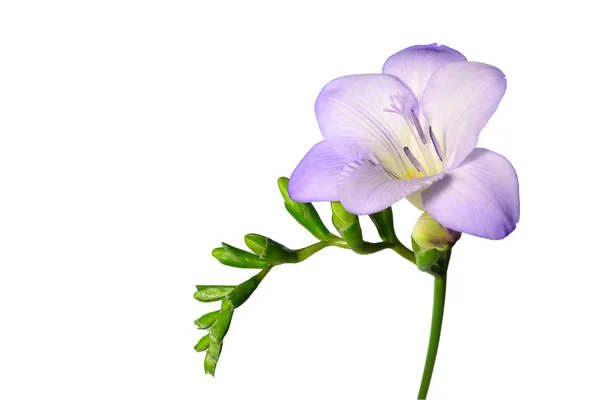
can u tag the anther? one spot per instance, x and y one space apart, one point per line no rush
413 159
436 144
418 126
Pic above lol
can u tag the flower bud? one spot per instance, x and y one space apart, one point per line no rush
235 257
304 213
348 226
269 249
202 344
384 222
240 294
429 234
221 326
206 294
210 363
207 320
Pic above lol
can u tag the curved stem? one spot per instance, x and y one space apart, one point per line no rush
403 251
439 297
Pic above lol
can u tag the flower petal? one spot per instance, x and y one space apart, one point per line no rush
458 101
365 187
351 116
415 65
480 197
315 178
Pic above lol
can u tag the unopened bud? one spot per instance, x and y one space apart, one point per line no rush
430 234
240 294
210 364
384 222
304 213
348 226
202 344
235 257
269 249
221 326
206 294
207 320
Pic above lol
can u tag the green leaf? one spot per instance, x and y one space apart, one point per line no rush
304 213
206 294
202 344
234 257
207 320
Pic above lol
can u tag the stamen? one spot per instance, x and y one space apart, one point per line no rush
436 144
413 159
390 173
419 127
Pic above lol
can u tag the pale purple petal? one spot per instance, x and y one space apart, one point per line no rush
480 197
351 114
366 188
415 65
316 177
458 101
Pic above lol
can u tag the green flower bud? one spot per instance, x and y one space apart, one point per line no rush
210 364
348 226
426 259
206 294
235 257
207 320
221 326
202 344
240 294
384 222
429 234
214 350
269 249
304 213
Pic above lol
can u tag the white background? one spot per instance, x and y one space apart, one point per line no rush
137 135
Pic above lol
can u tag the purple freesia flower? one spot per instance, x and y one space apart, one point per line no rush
412 132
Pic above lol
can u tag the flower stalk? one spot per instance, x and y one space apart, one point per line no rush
439 299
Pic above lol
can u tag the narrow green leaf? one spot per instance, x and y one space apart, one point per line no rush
206 294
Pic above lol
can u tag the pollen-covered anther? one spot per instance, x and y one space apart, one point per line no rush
436 144
413 159
418 126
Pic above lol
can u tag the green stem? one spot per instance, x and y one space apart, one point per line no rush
403 251
306 252
439 297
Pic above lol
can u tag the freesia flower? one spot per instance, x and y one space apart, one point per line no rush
411 132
